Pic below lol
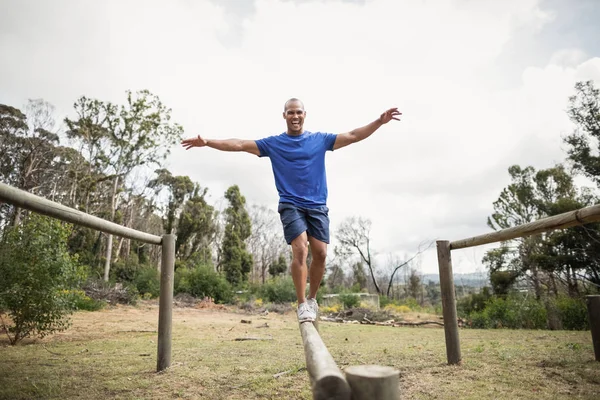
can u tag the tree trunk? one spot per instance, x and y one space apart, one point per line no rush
110 237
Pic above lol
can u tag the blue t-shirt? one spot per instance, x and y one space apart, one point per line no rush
298 164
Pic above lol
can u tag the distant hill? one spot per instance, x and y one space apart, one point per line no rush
474 279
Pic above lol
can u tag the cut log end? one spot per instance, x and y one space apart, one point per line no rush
373 382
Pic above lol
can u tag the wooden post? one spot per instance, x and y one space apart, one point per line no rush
326 379
593 306
165 305
369 382
448 302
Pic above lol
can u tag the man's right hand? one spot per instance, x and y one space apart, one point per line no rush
194 142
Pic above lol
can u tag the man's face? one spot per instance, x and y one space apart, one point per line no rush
294 116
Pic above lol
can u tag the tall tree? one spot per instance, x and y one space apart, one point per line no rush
584 143
236 261
354 236
139 133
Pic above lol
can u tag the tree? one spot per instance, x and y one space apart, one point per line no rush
414 284
358 273
278 267
37 274
196 228
124 138
266 242
354 235
584 144
236 261
178 188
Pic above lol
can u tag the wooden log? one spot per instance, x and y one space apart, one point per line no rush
165 302
23 199
593 306
326 379
448 302
561 221
369 382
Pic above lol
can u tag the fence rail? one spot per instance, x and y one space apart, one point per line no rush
23 199
444 248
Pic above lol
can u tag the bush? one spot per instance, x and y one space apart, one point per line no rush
37 273
349 300
279 290
202 282
573 313
81 301
514 312
147 281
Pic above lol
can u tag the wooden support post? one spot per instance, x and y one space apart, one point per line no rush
165 305
369 382
326 379
593 306
448 302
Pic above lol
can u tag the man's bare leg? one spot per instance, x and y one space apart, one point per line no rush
299 270
317 266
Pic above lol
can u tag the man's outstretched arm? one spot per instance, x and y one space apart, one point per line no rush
249 146
358 134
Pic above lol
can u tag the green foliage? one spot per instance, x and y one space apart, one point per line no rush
279 290
472 303
237 261
147 281
514 312
37 273
349 300
83 302
278 267
203 281
573 313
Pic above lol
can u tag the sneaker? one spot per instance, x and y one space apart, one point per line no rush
313 306
305 313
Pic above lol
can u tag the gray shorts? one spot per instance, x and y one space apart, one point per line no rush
296 220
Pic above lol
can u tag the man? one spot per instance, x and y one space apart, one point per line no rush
298 162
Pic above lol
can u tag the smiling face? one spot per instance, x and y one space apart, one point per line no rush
294 115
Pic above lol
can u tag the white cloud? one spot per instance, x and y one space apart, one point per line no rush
226 73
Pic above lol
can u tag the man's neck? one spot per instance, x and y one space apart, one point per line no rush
295 133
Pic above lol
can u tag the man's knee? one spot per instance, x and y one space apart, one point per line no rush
300 248
318 251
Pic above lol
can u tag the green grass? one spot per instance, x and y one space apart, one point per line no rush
112 354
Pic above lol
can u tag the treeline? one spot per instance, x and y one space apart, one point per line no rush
108 160
540 281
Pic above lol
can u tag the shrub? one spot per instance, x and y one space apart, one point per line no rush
37 273
349 300
573 313
147 281
202 282
514 312
81 301
279 290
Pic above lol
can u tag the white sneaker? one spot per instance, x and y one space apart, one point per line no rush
305 313
313 306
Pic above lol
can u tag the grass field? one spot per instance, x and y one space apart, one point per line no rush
111 354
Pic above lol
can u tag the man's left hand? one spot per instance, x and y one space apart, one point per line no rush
389 115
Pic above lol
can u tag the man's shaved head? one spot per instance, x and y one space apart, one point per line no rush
292 100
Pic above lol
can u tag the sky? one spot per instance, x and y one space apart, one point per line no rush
481 84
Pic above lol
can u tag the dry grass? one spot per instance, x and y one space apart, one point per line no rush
112 354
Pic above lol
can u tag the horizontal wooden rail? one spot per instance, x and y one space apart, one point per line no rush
561 221
327 380
23 199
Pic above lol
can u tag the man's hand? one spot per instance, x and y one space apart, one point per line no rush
194 142
389 115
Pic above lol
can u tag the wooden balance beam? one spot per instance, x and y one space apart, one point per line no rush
361 382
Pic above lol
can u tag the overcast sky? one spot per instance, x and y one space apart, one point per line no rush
482 85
